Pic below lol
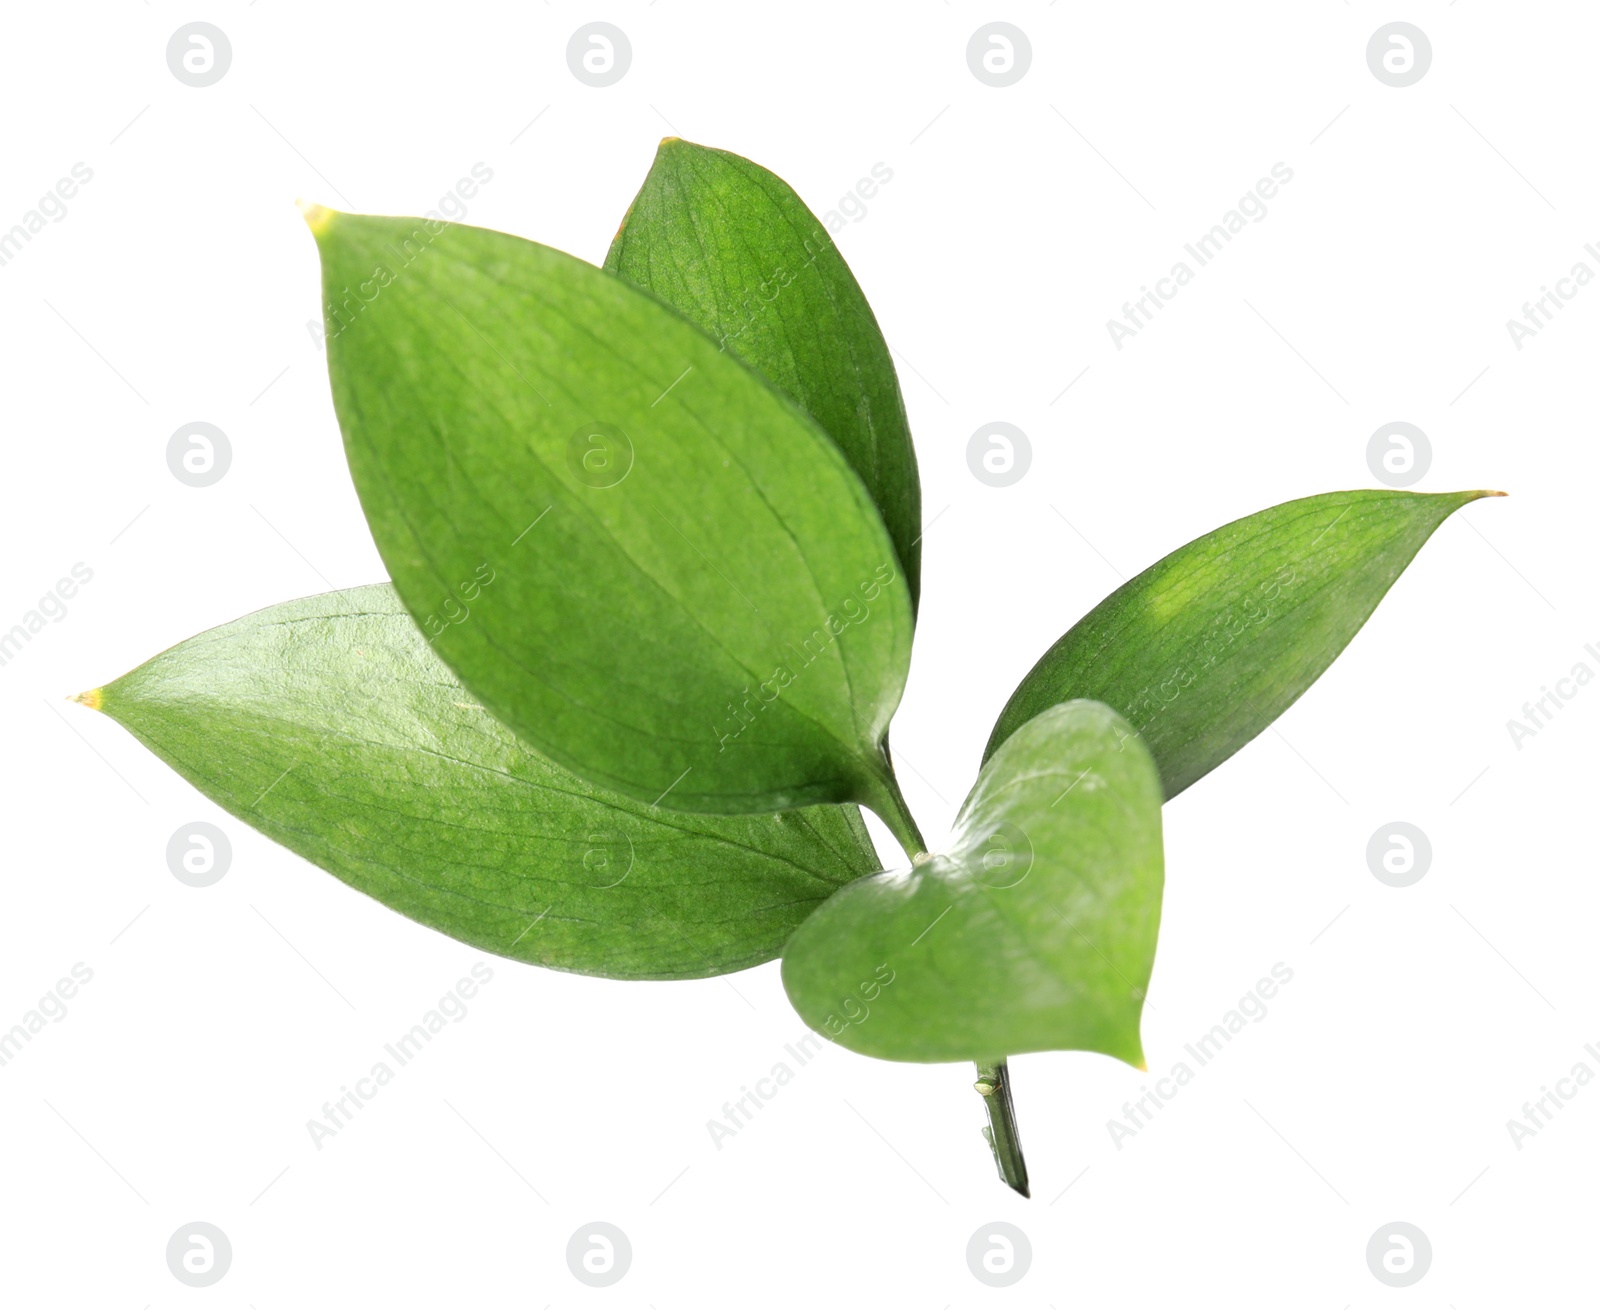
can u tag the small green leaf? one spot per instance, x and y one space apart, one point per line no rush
695 601
734 249
329 725
1204 649
1035 931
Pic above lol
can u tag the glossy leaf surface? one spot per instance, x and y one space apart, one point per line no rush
1035 930
328 724
695 602
1203 650
735 250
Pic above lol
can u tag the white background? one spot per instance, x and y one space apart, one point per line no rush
178 288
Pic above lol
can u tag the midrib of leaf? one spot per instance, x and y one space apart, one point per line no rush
663 817
863 737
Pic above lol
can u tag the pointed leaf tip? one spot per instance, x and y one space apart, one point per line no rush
755 488
317 217
89 698
330 725
1034 931
706 226
1186 650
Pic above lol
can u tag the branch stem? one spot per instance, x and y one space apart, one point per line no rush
994 1079
891 807
994 1085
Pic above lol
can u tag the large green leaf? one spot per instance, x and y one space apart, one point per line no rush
696 602
1204 649
328 724
734 249
1034 931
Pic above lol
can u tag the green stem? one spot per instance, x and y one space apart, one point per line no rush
994 1080
891 807
994 1085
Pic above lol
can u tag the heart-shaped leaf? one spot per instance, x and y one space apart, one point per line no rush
734 249
328 724
695 603
1034 931
1204 649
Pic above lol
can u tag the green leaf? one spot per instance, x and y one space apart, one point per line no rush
734 249
328 724
1204 649
1034 931
695 601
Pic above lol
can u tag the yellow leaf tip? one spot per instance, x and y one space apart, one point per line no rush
669 141
89 698
317 217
